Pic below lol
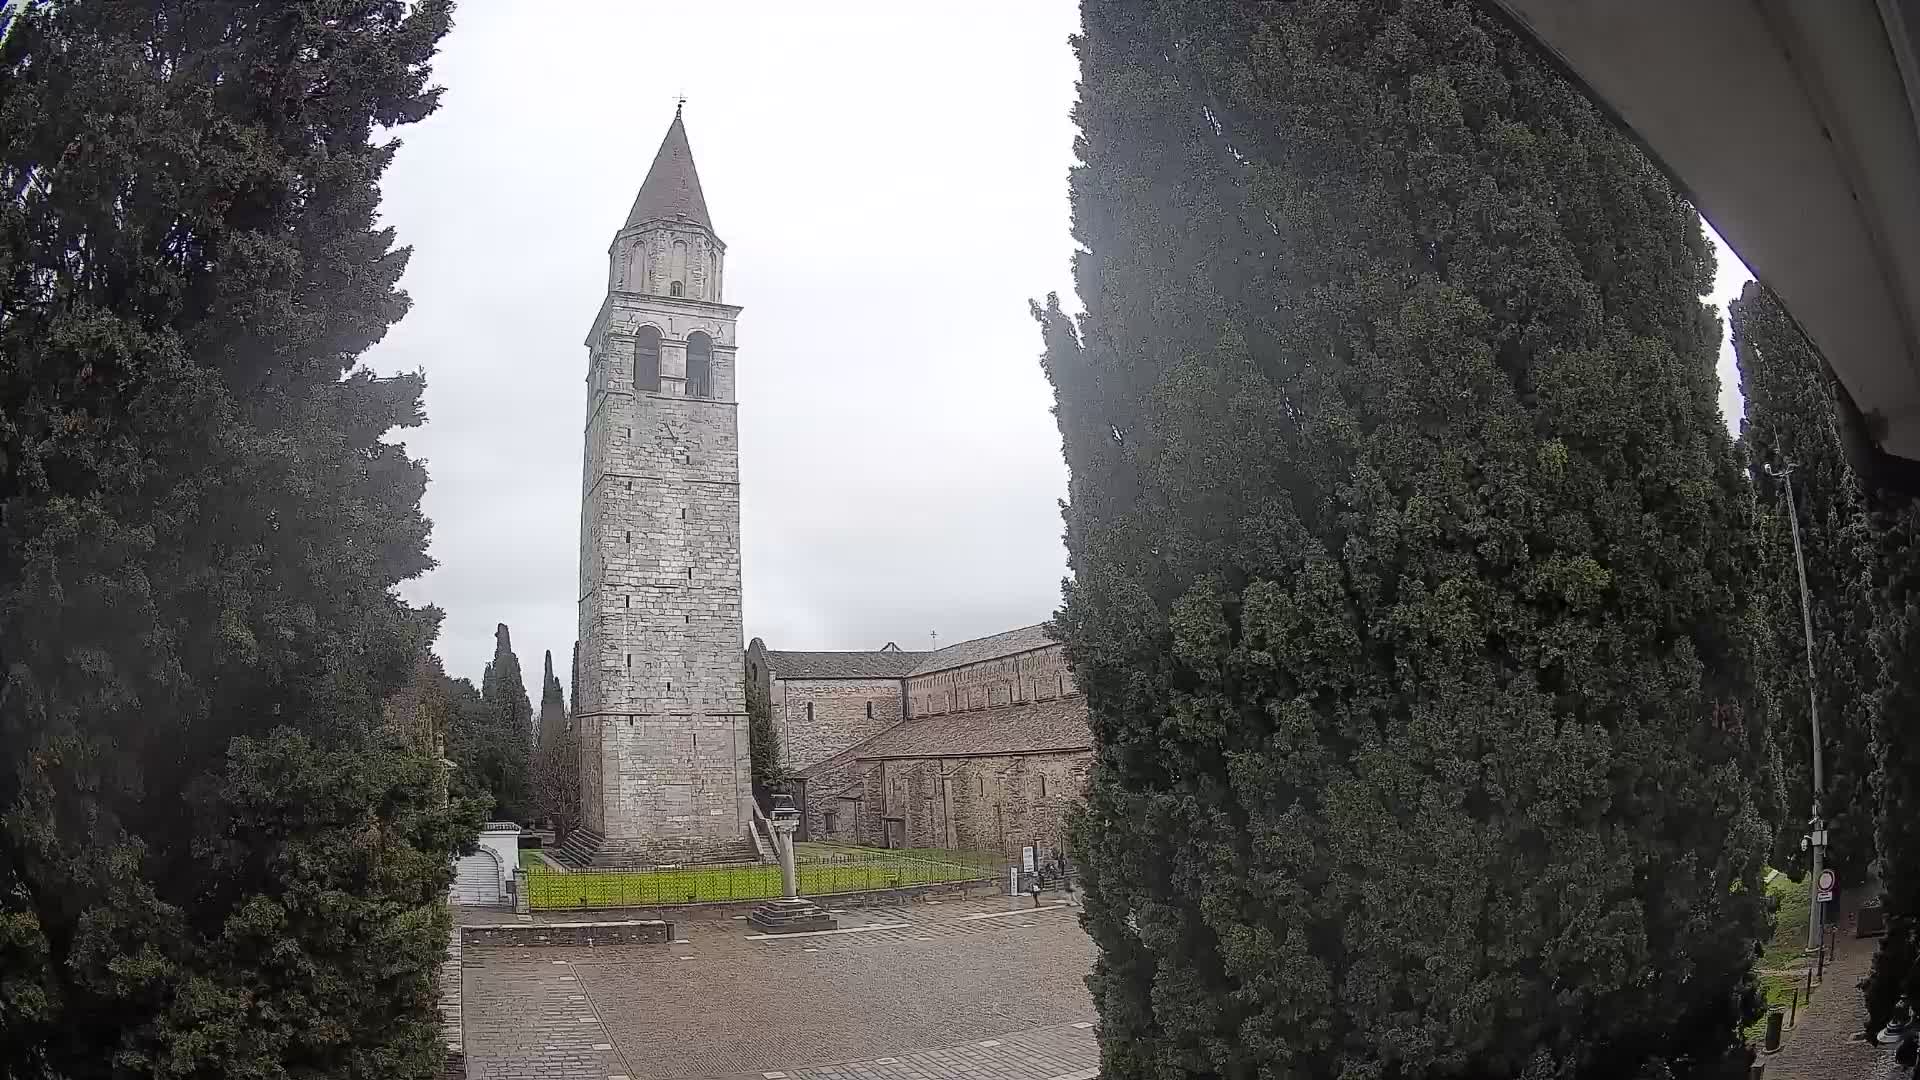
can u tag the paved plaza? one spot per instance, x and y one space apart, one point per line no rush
988 988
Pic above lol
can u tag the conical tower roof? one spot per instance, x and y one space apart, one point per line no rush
672 187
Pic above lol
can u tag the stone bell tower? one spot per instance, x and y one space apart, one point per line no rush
662 718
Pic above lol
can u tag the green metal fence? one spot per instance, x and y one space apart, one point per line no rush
823 871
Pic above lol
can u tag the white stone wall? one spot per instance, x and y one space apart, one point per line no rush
662 709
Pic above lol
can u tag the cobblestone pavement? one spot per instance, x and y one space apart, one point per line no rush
1062 1052
976 988
450 979
1822 1043
531 1019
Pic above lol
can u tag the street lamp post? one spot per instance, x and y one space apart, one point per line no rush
1817 833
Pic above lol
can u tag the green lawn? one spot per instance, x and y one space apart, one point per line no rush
1789 943
823 872
530 860
1783 964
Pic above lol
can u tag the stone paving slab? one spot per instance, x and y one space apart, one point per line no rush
719 1003
1059 1052
539 1023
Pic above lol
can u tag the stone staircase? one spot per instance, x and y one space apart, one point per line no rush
579 850
762 834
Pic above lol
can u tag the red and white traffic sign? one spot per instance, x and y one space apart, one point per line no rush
1827 883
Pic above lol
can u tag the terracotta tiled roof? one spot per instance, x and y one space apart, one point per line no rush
841 665
1025 639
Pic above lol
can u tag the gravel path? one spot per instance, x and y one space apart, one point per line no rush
1822 1044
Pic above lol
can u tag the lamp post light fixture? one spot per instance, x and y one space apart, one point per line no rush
1816 841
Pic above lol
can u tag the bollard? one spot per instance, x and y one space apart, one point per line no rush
1771 1044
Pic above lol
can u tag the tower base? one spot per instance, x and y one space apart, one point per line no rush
588 850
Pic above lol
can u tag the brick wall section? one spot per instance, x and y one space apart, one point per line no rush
990 756
826 783
662 714
1038 675
624 932
993 803
976 804
818 718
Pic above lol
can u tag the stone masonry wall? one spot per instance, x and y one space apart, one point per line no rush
1037 675
649 257
662 711
817 718
996 803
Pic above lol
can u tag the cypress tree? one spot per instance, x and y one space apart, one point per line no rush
763 742
471 744
211 860
1896 779
553 704
1411 561
507 753
556 765
1791 419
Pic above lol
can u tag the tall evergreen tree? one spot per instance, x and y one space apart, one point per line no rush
507 753
1896 779
1791 420
1411 561
471 742
763 742
210 862
553 704
556 765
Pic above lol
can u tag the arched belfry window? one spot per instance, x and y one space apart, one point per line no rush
677 289
646 360
699 365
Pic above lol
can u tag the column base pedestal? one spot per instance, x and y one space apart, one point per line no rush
792 915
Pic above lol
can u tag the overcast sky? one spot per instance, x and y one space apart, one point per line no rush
890 181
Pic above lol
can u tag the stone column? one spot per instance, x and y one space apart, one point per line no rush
783 830
792 913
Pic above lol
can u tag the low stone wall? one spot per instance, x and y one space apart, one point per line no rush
618 932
